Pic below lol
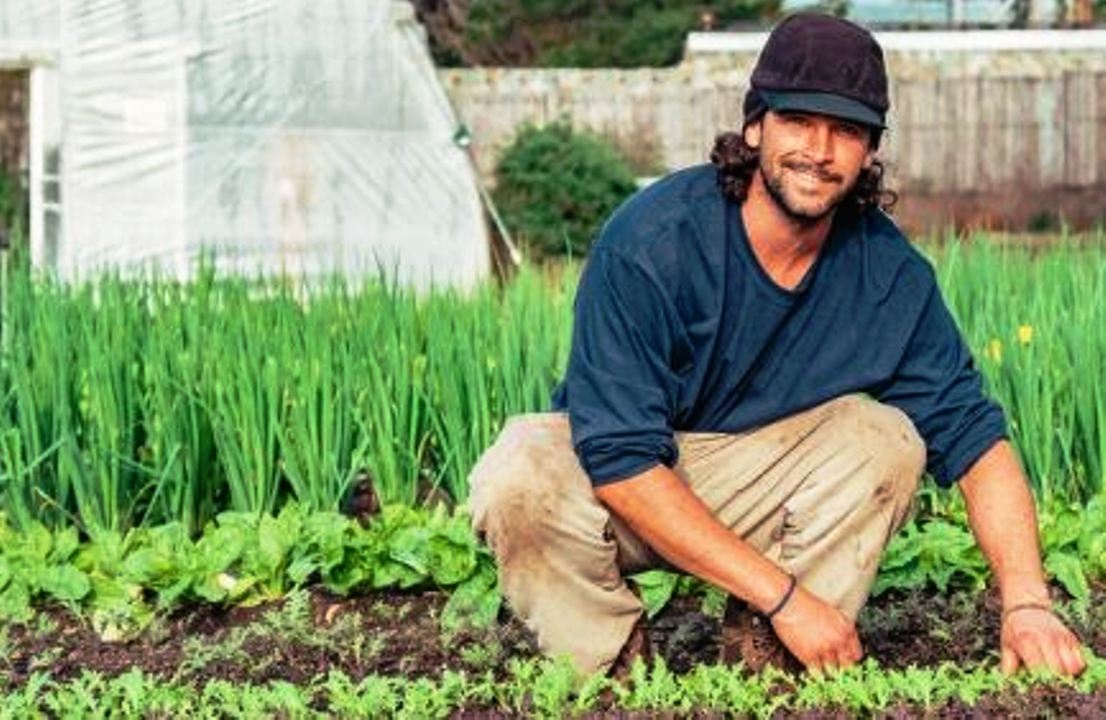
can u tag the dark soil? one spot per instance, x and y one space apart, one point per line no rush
314 632
295 640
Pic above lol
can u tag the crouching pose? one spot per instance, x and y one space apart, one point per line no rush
762 368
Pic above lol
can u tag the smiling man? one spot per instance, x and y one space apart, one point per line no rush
762 368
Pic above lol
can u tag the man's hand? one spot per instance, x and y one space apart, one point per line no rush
1004 520
817 633
1036 638
692 539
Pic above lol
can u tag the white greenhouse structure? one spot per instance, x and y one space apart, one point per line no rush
273 136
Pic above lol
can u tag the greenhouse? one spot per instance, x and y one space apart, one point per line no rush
298 137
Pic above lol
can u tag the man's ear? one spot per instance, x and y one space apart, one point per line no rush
751 134
869 157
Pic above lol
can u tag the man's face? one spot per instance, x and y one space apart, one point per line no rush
809 163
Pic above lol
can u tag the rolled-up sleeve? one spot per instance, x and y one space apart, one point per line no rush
938 386
620 385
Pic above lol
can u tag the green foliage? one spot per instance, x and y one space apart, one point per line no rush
537 688
145 402
615 33
1074 544
939 552
657 588
1034 323
474 603
935 553
555 187
123 580
637 37
37 564
128 403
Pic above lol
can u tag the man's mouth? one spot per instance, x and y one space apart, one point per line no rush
813 172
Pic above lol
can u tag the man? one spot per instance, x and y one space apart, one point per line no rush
762 367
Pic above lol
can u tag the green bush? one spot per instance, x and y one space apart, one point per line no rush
555 187
574 33
652 38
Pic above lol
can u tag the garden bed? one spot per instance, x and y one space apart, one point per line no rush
172 457
313 635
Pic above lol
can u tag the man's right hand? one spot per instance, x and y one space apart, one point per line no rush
691 538
817 633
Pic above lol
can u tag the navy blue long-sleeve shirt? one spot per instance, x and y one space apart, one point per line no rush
678 327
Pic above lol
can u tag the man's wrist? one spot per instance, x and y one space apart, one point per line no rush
786 598
1025 607
768 596
1024 591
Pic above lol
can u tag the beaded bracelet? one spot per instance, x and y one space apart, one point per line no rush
783 601
1025 606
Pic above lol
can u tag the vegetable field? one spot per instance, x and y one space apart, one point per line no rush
175 460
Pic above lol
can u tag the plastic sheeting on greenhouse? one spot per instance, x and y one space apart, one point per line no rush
273 136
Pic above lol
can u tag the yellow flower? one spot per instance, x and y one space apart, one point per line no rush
994 350
1025 334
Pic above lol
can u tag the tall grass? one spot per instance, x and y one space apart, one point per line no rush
1036 322
133 402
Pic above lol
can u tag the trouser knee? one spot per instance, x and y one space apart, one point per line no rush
523 486
890 445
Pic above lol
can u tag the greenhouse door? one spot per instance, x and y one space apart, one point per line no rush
123 168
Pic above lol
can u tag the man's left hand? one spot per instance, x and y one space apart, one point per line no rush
1036 638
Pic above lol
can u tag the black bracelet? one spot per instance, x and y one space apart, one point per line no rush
783 601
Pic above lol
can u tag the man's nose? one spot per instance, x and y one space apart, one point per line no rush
820 143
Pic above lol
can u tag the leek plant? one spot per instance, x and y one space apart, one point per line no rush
318 439
248 397
141 402
37 376
390 398
179 446
1034 321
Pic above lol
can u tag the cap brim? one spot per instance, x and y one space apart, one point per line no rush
824 104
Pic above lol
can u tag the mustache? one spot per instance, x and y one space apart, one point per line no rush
813 169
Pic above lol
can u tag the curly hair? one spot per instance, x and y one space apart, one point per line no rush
736 162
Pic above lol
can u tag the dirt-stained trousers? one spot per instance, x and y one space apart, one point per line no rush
820 493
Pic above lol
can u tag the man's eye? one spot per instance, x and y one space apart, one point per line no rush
848 130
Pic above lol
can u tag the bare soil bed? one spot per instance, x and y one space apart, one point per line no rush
314 632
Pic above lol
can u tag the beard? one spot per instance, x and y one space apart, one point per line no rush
791 202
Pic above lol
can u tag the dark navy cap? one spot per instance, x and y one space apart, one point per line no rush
818 63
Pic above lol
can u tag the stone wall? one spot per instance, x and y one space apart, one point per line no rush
1004 136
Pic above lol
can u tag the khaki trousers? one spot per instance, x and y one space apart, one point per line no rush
819 493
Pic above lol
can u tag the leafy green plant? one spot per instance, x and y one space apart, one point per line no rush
125 580
656 588
36 564
536 688
556 186
936 553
